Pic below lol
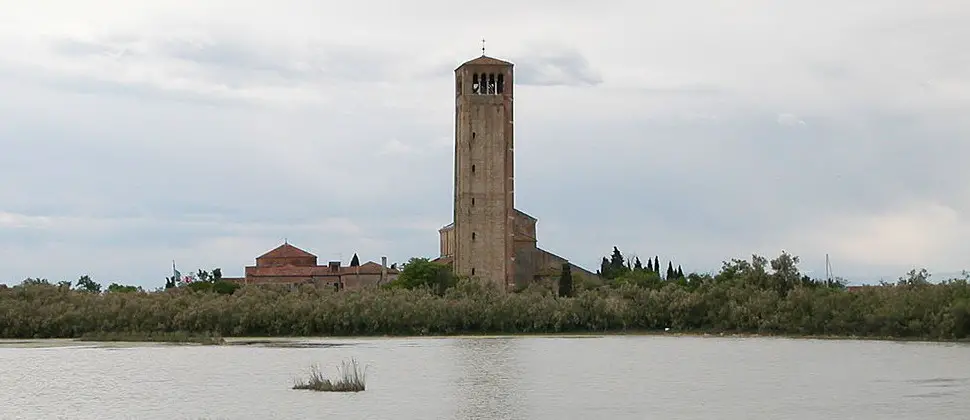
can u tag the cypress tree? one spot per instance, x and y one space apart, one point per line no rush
566 281
670 271
680 272
650 265
637 266
656 264
616 261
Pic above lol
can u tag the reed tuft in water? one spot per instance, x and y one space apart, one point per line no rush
350 378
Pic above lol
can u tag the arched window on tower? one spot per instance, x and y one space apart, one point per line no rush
501 83
491 83
476 86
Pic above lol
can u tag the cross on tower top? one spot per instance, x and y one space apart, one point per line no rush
483 46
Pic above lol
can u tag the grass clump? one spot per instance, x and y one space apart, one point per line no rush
350 378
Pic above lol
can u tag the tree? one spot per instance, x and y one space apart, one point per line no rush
35 282
650 265
566 281
604 268
616 261
119 288
87 285
915 278
680 272
355 262
217 274
614 266
223 287
422 272
645 279
656 264
786 274
637 265
670 271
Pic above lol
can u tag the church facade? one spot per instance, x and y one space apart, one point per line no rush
489 238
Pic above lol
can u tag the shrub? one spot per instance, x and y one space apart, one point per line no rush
350 378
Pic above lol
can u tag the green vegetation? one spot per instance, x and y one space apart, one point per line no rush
350 379
759 296
86 284
423 273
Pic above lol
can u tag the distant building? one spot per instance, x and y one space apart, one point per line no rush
489 238
289 265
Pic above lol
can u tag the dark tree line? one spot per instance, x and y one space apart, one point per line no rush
616 266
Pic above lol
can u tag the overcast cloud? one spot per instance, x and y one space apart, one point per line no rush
135 133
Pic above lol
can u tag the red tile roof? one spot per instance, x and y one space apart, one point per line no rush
486 61
286 251
443 260
369 267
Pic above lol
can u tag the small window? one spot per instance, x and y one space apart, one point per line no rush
473 236
473 135
473 168
473 271
473 202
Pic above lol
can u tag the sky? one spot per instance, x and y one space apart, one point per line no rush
138 133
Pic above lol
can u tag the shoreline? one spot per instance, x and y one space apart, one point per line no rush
215 340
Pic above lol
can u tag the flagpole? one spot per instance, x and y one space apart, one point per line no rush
175 273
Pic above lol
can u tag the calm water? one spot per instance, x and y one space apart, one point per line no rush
612 377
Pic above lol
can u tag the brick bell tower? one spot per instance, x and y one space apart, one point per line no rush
484 193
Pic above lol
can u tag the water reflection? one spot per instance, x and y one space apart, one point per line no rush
492 382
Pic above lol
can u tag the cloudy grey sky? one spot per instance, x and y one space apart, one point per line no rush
135 133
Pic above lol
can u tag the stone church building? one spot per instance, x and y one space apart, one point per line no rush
289 265
489 238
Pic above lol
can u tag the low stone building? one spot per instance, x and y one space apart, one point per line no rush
289 265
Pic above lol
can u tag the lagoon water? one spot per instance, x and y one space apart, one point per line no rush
608 377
